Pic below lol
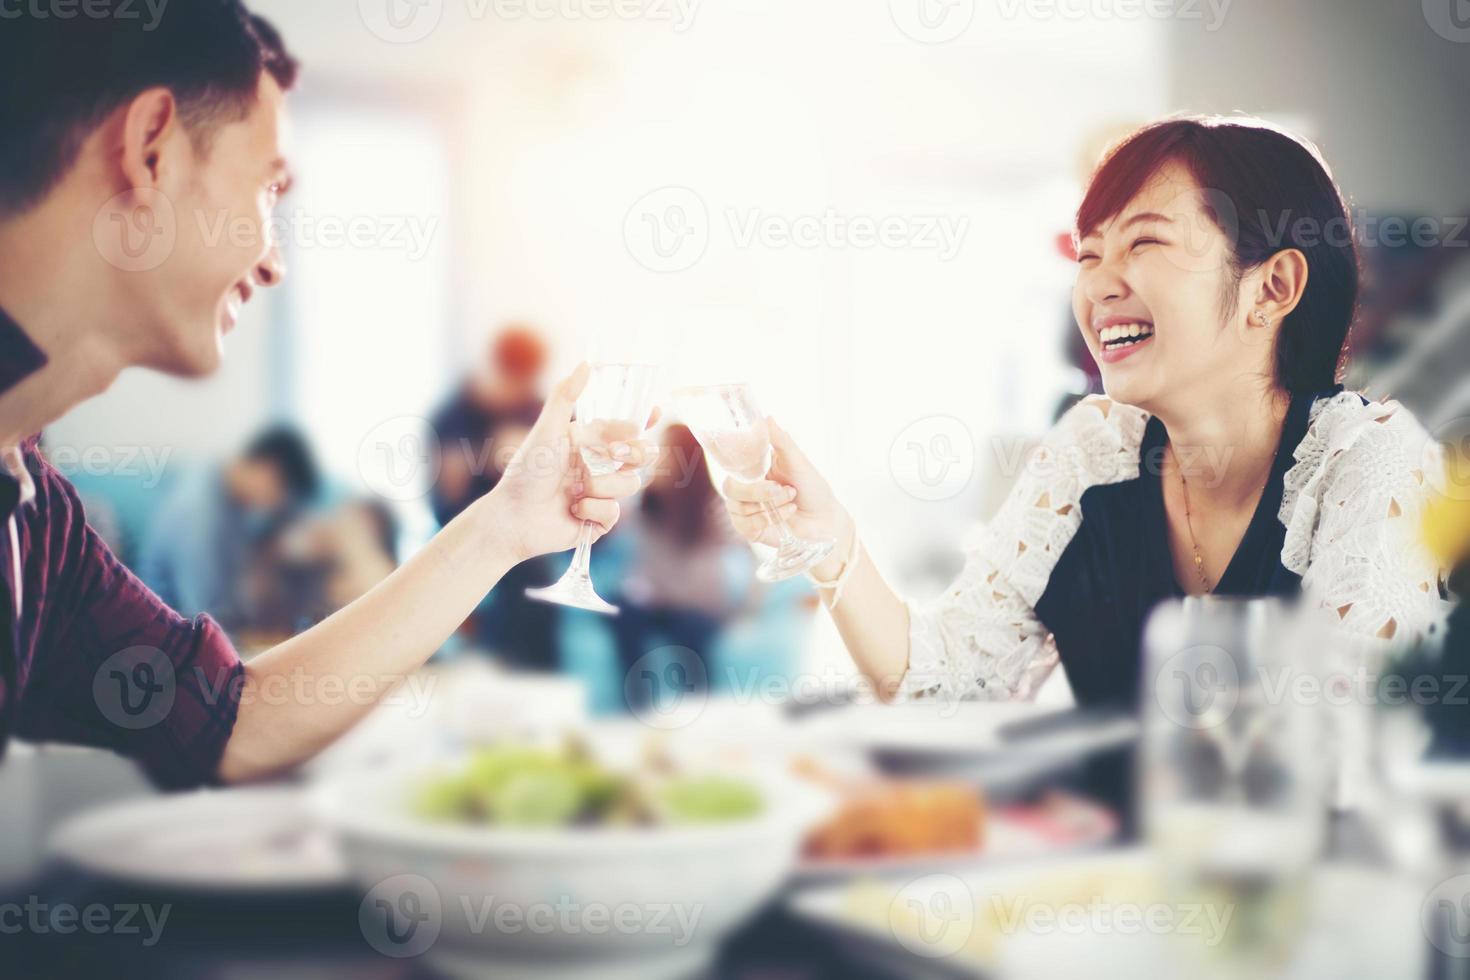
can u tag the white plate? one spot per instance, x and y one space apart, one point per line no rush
255 839
963 739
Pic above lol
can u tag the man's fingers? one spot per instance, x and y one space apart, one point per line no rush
564 396
793 459
623 483
603 513
758 492
635 454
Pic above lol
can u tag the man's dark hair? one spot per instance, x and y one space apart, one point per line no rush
61 77
286 449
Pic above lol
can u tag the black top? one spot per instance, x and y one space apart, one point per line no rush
1118 566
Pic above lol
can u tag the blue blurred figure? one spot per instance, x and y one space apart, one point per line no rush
478 430
205 538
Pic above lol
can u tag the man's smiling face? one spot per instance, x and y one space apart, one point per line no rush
223 191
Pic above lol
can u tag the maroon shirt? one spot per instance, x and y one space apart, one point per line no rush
90 655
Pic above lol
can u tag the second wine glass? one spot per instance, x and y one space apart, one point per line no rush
614 407
727 423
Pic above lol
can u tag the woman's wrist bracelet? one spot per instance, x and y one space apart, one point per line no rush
837 582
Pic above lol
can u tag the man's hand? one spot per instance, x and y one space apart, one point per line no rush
546 492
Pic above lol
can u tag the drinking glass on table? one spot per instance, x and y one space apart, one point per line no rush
1233 774
614 407
727 423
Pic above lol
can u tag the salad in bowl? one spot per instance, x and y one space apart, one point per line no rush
520 859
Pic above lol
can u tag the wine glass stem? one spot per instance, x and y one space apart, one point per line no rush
783 530
579 565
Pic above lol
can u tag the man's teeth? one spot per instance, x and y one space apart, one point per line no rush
1125 334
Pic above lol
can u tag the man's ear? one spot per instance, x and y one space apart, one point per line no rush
149 122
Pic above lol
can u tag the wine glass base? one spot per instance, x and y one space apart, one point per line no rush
793 559
575 592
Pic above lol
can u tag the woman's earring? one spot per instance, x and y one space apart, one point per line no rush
1261 318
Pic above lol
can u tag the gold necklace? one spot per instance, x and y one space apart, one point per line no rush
1199 561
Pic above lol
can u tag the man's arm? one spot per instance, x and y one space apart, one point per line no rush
365 648
377 641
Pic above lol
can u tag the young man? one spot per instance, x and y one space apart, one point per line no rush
116 136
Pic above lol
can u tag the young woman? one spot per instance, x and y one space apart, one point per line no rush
1216 282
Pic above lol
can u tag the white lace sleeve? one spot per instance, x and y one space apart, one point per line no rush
1353 510
981 638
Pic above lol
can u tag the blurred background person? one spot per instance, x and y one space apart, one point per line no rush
207 535
687 574
319 563
478 430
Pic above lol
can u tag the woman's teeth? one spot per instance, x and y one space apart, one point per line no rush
1125 335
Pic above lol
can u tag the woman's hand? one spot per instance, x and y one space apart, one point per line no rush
799 494
546 493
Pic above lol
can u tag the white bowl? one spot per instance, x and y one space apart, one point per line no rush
640 902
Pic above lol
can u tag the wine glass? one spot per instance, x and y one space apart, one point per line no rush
727 423
1232 781
614 407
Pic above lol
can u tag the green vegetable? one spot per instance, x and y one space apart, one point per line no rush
709 799
530 787
538 799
